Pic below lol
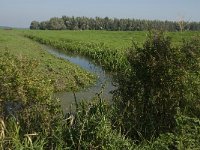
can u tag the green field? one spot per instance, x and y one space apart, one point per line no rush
105 47
112 39
63 74
155 105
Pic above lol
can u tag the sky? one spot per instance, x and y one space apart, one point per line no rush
20 13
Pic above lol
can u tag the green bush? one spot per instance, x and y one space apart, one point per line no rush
155 106
31 119
162 79
185 136
26 104
91 128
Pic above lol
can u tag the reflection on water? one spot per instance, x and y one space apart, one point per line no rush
104 79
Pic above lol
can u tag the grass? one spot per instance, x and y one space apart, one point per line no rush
112 39
62 73
38 122
107 48
30 118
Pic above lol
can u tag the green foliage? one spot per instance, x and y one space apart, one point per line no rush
30 119
19 83
56 24
91 128
155 107
99 52
13 138
162 80
35 25
62 73
25 94
190 59
98 23
26 98
185 136
105 48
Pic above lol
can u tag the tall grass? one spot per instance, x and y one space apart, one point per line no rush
59 71
105 48
108 58
167 81
31 119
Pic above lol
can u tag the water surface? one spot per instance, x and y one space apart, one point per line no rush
103 83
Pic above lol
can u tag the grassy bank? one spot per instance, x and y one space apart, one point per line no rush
104 47
154 108
31 119
63 74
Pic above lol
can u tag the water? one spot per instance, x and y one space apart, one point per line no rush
104 79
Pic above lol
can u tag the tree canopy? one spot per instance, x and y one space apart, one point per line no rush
112 24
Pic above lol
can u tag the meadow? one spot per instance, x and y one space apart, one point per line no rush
106 48
155 106
112 39
63 74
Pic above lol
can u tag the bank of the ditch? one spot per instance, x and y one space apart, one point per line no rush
40 124
107 48
103 84
63 74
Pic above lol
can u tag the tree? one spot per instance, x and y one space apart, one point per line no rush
43 25
56 24
35 25
98 23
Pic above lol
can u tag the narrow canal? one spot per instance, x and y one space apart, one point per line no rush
103 83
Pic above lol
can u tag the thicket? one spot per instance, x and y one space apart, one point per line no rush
162 84
31 119
98 23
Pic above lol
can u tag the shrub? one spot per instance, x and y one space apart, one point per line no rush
25 97
30 119
92 129
185 136
162 80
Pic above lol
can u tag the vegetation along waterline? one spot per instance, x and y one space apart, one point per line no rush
62 73
103 83
106 48
154 107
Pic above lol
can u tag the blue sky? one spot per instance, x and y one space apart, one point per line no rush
19 13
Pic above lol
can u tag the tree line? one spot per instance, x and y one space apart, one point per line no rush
110 24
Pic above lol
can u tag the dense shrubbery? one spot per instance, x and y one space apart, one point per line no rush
31 119
163 82
26 105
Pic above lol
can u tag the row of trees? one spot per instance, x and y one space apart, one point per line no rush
97 23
